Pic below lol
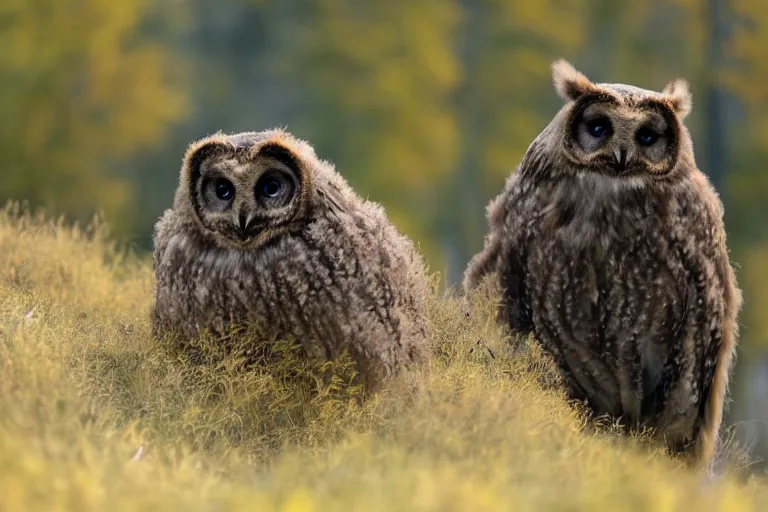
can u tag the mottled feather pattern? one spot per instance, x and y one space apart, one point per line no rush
624 279
343 278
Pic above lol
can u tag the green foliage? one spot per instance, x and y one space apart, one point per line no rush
381 76
81 88
94 414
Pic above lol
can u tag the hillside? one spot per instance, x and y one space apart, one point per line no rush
95 415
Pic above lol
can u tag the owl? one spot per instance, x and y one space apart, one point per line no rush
608 244
263 232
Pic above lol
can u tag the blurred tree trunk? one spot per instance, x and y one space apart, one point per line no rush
603 24
470 171
715 144
467 210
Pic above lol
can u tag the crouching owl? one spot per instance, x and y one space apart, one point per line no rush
608 244
262 231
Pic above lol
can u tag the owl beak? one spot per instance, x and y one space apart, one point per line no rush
244 225
630 156
623 158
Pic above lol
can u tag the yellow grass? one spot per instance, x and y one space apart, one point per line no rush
95 415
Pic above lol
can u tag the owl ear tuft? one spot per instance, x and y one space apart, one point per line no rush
570 83
679 95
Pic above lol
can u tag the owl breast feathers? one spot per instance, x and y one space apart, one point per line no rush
263 232
608 243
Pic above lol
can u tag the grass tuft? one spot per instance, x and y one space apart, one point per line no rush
96 415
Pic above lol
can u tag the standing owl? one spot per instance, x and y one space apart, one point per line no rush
608 244
263 232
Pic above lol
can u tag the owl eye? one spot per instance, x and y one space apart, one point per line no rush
599 127
271 187
646 136
224 189
274 188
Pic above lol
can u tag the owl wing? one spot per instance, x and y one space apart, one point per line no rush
699 379
505 252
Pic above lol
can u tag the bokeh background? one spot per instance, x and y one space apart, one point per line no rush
424 105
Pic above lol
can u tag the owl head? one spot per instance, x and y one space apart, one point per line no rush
245 189
622 130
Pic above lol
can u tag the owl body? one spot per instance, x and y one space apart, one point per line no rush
329 271
613 253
